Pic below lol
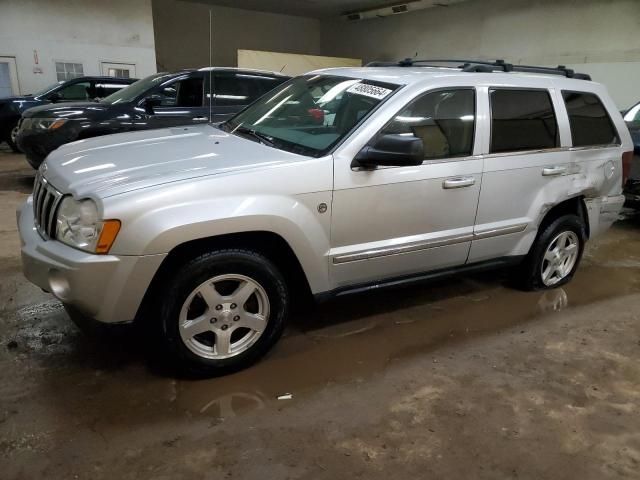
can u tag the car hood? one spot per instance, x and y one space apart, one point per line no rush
114 164
69 110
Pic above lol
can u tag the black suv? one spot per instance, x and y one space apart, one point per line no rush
632 187
160 100
74 90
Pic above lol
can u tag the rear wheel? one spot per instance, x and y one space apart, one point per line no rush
11 140
555 255
223 311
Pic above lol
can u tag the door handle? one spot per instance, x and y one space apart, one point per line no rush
553 171
458 182
200 119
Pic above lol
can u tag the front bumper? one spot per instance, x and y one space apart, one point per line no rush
632 193
108 288
37 144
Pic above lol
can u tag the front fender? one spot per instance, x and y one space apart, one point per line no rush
293 217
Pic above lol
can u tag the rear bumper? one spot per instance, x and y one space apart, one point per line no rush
602 212
108 288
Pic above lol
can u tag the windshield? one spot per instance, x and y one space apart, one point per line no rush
44 91
310 114
134 90
633 115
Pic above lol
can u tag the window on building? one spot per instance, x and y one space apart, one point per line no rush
589 121
444 120
118 72
522 120
67 71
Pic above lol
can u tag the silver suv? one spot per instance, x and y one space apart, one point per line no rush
338 181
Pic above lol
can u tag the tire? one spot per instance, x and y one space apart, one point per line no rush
556 236
11 139
210 324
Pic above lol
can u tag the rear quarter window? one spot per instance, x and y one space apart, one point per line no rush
522 119
589 121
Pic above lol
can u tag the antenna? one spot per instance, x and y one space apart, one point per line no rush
212 90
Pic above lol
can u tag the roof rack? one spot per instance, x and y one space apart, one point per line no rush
484 66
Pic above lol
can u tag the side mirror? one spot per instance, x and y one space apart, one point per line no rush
391 150
152 101
55 97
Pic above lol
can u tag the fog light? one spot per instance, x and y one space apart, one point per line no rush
58 284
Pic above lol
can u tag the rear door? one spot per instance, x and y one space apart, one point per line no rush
527 165
182 102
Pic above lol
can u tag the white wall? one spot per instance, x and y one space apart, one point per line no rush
79 31
182 34
601 37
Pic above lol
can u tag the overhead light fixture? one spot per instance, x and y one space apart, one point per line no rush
397 9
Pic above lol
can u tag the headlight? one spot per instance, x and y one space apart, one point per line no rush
47 123
78 226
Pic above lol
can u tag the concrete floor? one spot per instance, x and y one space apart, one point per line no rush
464 379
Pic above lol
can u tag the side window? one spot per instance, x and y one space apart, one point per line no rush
76 91
445 120
188 92
235 89
522 120
589 120
266 84
104 89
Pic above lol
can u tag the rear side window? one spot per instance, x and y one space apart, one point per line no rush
590 123
522 120
235 89
444 120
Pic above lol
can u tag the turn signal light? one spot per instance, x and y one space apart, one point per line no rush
110 230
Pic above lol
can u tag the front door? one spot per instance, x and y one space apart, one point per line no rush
8 77
395 221
182 102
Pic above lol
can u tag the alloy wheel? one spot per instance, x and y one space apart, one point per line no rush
560 257
224 316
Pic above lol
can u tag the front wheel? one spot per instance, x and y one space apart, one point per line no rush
223 311
555 255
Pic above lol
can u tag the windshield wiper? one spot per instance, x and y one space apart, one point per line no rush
260 137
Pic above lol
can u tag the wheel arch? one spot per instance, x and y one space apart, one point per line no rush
571 206
270 244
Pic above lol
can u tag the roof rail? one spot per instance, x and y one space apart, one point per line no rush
484 66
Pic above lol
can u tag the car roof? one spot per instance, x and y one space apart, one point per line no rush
103 78
237 69
420 75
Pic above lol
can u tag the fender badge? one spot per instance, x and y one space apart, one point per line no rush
322 208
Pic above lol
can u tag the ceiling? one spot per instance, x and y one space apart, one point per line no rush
309 8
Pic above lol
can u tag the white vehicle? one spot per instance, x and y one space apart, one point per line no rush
336 182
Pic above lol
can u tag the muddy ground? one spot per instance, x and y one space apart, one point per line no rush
463 379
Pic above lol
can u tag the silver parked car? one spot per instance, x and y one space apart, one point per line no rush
337 181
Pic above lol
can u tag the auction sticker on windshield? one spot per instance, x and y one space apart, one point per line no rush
367 90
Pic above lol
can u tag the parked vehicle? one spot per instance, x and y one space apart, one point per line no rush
161 100
336 182
77 89
632 187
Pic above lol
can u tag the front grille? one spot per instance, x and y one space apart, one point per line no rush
45 205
